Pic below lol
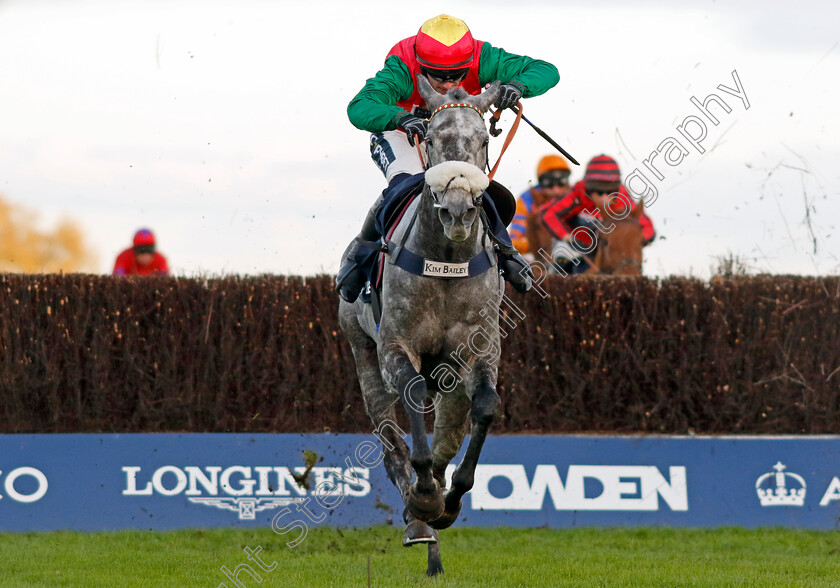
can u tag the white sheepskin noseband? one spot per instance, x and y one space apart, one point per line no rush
457 174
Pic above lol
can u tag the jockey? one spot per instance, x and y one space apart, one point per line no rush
390 107
141 259
553 182
601 187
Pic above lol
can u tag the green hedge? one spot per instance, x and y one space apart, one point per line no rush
83 353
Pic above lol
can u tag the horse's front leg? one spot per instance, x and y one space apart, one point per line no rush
485 408
425 500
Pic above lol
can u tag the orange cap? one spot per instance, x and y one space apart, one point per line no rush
551 162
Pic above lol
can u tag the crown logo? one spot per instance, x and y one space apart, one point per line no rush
772 488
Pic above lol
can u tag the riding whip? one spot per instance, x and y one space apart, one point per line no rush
542 134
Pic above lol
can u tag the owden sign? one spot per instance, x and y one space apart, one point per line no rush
587 487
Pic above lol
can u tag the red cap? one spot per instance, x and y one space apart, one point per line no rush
144 237
444 42
602 168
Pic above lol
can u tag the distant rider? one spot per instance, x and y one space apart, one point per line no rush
600 187
390 107
141 259
552 182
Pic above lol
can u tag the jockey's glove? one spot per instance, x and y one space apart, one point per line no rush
509 95
413 125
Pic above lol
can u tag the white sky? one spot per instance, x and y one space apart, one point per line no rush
222 125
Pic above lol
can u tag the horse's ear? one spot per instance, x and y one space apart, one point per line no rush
637 211
432 98
489 96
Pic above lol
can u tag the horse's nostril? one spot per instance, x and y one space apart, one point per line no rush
446 217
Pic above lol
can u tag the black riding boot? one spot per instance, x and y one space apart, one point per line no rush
516 270
351 279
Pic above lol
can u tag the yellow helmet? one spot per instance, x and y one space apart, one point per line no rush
444 42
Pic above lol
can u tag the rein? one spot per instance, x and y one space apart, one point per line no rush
509 137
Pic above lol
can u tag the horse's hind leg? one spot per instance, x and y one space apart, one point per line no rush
379 404
397 460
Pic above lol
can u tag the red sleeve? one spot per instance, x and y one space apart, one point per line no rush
124 266
557 214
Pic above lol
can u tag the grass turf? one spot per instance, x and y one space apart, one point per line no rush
471 557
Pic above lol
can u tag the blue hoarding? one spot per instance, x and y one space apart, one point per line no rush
167 481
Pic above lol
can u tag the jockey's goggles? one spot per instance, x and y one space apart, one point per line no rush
446 75
550 180
605 189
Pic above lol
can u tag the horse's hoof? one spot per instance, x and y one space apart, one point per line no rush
448 517
427 506
418 532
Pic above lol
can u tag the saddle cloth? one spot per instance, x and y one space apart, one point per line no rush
498 203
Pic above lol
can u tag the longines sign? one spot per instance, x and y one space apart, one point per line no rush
166 481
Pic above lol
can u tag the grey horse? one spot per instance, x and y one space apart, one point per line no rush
438 337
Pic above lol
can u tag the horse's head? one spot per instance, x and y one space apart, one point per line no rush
620 250
456 149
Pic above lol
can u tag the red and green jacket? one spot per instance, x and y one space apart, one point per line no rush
391 93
